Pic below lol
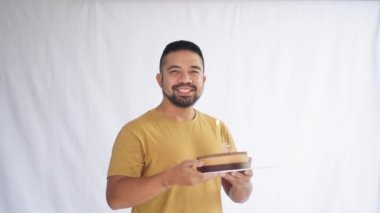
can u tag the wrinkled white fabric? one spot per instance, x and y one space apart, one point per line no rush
297 82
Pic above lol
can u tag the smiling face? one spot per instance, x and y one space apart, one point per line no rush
181 78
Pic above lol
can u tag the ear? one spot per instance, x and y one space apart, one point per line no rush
159 79
204 78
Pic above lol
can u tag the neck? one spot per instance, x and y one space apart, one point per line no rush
177 113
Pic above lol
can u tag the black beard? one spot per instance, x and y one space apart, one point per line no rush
183 102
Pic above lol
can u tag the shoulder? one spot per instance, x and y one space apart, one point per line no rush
212 121
140 121
204 117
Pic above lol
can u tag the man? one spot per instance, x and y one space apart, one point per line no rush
153 163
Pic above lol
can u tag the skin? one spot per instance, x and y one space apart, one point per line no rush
181 77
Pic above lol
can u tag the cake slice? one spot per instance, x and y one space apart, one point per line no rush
224 162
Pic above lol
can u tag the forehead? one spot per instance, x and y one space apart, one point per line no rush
182 58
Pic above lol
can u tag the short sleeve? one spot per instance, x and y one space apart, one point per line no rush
127 155
227 134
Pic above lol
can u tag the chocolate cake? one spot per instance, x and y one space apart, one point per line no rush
229 161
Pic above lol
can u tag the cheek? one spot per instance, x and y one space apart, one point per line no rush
166 84
199 82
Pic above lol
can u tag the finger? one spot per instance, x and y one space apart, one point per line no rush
230 178
237 177
198 163
192 163
248 172
237 174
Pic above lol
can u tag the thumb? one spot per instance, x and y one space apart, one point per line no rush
197 163
192 163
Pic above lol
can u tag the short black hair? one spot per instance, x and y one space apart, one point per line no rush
181 45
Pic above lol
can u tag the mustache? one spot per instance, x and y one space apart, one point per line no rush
186 85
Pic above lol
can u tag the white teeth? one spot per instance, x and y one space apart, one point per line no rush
184 90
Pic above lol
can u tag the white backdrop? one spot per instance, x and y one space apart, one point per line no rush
297 82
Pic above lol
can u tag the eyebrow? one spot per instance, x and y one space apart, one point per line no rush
176 66
173 67
196 67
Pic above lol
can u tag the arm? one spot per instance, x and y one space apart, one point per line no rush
124 192
237 185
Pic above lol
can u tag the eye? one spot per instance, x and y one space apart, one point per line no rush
195 72
173 71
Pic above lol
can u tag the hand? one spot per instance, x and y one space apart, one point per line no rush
238 179
238 185
185 173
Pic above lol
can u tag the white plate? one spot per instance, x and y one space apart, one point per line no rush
226 171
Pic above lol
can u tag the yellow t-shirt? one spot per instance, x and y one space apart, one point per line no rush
153 143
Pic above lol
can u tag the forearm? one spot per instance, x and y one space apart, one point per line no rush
238 186
124 192
240 193
131 191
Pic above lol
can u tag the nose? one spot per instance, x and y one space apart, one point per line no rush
185 78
